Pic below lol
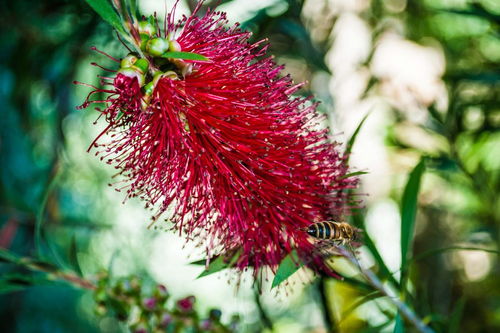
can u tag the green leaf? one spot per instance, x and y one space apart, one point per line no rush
289 265
200 262
433 252
184 55
15 282
385 273
353 174
360 301
107 13
7 256
220 263
73 256
6 288
41 210
350 142
400 325
456 316
408 214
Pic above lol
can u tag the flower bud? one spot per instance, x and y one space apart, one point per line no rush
171 75
174 46
144 41
131 72
166 319
100 310
206 324
147 28
186 304
161 292
148 88
149 303
129 60
141 65
215 314
139 328
157 46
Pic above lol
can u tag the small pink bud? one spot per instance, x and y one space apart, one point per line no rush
186 304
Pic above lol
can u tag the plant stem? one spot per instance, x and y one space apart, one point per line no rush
377 284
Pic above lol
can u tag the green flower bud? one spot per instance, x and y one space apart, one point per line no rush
129 60
174 46
144 41
171 75
157 46
147 28
131 72
141 65
148 88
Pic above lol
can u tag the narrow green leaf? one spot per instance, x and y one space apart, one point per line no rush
220 263
107 13
360 301
433 252
289 265
184 55
73 256
6 288
353 174
39 265
11 282
7 256
350 142
408 213
133 9
41 210
385 273
384 270
200 262
400 325
456 316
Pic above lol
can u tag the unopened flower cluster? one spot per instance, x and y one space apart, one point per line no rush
144 308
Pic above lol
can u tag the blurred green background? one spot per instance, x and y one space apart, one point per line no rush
426 72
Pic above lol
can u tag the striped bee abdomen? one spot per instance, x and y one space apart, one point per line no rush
332 230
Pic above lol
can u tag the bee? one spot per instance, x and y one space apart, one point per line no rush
330 230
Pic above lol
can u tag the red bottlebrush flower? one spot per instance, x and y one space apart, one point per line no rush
221 147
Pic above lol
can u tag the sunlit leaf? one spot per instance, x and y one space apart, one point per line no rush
352 139
184 55
107 13
288 266
408 213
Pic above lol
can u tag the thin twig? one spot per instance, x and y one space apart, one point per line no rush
376 283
